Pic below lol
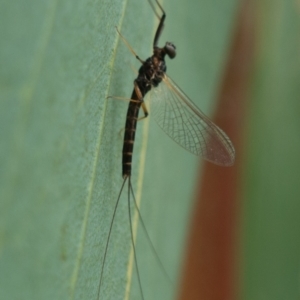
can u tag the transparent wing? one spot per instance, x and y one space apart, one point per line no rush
180 118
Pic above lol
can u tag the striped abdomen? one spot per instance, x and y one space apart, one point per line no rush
129 135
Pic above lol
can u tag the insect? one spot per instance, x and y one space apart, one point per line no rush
174 112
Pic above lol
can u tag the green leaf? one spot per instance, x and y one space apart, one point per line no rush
61 147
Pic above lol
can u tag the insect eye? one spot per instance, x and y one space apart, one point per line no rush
170 50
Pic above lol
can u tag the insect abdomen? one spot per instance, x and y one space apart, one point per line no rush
129 135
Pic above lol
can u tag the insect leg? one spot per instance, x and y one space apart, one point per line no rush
141 99
161 21
122 98
129 47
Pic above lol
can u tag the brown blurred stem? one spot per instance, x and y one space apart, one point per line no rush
211 268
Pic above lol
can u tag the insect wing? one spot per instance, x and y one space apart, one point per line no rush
180 118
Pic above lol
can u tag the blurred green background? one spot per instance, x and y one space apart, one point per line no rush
61 144
271 178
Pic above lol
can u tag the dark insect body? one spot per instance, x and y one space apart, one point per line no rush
176 114
150 75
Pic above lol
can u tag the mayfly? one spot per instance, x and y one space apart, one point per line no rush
174 112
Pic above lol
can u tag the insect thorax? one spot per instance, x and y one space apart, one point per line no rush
151 73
